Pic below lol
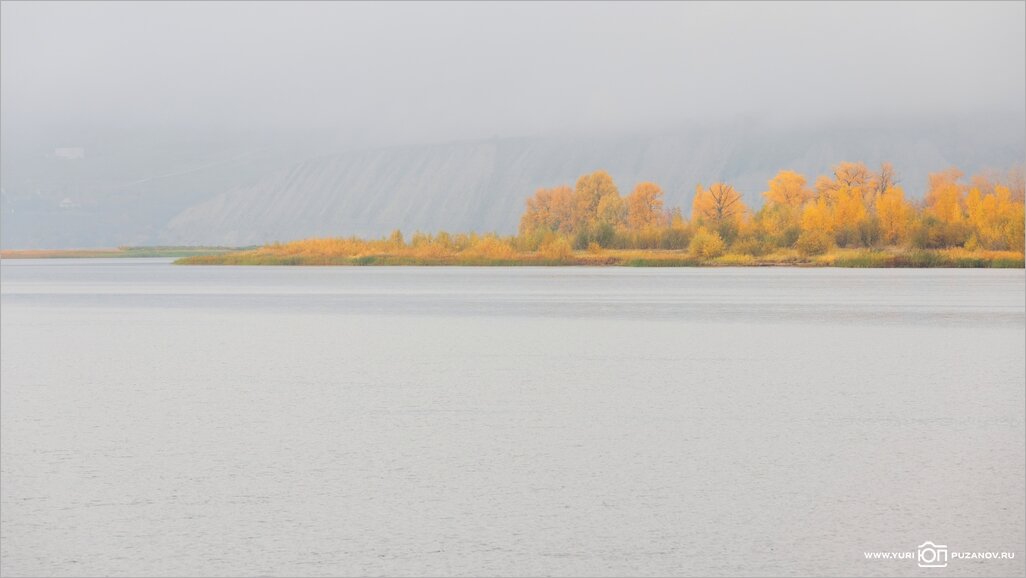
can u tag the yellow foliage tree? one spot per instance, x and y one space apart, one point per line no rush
780 217
895 216
718 205
849 215
880 182
551 209
788 188
854 206
589 192
996 218
854 176
817 229
944 197
645 206
611 210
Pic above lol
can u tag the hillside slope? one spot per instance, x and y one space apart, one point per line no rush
246 189
482 185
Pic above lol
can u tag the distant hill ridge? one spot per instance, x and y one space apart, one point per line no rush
482 185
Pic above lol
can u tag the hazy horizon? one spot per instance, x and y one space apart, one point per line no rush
174 110
384 74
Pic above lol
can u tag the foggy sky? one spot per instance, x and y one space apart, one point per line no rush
390 73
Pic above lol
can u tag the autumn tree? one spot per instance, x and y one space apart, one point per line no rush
880 182
850 196
852 207
611 210
779 219
853 176
645 206
851 218
943 221
778 224
678 234
894 215
996 219
788 188
944 196
589 192
611 216
817 228
549 209
720 207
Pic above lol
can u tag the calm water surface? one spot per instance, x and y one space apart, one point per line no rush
168 420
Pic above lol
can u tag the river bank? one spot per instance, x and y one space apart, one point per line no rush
885 258
117 252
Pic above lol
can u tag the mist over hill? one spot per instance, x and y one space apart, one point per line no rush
250 188
360 118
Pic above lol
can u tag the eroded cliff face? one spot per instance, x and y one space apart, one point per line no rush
482 185
249 192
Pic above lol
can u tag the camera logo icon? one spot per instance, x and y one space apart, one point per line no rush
930 555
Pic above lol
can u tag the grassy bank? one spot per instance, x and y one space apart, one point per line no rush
119 252
887 258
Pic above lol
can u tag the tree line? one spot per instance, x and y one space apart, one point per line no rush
854 207
854 217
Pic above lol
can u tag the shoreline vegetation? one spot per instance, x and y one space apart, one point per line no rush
118 252
854 258
856 217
